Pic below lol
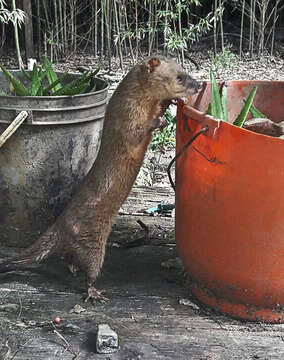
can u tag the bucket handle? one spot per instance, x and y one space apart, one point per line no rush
19 119
182 150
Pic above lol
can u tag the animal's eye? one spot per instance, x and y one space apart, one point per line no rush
179 78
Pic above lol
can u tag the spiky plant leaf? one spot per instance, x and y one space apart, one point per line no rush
209 110
80 83
35 81
224 102
51 75
47 90
17 87
217 111
40 91
26 74
256 113
245 110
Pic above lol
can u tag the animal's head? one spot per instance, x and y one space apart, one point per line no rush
169 80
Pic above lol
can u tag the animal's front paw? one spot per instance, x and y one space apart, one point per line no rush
159 123
94 295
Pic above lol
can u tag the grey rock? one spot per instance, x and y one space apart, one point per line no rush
107 340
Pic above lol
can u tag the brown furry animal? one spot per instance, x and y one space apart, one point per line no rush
133 112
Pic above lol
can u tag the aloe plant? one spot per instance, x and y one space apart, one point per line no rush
241 118
216 103
218 106
256 113
37 82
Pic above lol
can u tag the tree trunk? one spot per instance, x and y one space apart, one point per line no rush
29 39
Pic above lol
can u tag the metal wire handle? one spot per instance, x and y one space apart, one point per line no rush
182 150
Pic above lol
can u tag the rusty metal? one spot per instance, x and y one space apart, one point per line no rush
229 212
44 161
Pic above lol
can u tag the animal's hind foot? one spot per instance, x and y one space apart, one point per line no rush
94 295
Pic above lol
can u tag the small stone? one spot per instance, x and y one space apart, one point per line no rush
77 309
9 307
107 340
189 303
174 263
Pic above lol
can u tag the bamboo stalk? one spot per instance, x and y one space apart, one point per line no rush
180 31
166 29
221 26
96 27
273 27
38 27
17 42
136 28
242 28
215 27
129 39
65 26
118 35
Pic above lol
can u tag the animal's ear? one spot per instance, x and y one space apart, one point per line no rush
152 64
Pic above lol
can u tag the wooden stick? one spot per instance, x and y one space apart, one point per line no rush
13 127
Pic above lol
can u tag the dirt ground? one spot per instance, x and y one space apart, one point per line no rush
149 308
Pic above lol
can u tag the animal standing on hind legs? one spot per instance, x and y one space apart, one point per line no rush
133 112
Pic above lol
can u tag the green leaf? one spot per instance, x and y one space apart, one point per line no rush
224 102
215 98
2 93
76 86
209 110
18 88
40 91
93 89
26 74
80 89
245 110
256 113
41 74
35 81
51 75
47 90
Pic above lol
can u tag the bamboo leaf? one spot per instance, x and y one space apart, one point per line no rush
245 110
18 88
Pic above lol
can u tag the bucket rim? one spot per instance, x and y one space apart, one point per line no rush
214 123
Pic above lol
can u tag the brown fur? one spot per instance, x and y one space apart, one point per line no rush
133 112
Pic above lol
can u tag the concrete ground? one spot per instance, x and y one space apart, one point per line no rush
149 308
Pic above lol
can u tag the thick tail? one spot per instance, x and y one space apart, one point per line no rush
34 254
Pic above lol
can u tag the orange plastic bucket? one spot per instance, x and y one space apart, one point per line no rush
230 206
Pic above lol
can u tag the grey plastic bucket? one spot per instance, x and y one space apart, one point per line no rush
43 162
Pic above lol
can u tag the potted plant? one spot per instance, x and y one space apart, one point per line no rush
47 157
